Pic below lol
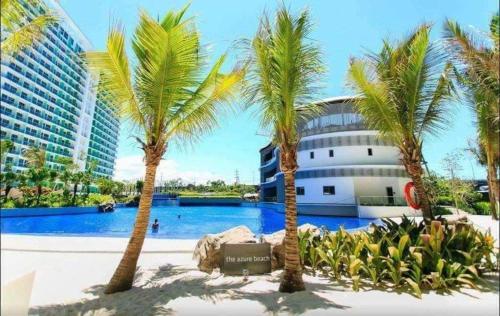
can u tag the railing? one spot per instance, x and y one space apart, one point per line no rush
382 201
270 179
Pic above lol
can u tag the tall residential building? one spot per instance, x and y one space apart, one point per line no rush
345 169
49 99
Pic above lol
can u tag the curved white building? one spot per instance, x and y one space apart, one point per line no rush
344 168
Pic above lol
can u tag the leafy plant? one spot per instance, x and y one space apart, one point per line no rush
406 254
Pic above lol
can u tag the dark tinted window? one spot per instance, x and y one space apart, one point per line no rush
329 190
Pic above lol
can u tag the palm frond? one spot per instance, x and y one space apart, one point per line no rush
113 69
198 115
168 96
285 68
35 156
404 89
21 26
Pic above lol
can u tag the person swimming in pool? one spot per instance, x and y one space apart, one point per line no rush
155 226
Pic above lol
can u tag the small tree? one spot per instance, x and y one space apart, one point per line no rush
139 184
8 178
37 173
88 177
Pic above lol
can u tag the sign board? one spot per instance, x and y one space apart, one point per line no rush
238 259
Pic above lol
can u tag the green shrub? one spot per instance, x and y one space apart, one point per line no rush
8 203
210 194
445 200
96 199
482 208
439 210
403 254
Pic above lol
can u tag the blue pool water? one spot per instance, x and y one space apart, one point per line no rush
194 222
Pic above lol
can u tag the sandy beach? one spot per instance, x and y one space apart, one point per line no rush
71 273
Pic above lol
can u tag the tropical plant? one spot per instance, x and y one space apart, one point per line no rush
477 63
403 92
67 172
37 173
5 146
169 98
22 27
284 70
404 254
76 179
88 177
8 178
139 184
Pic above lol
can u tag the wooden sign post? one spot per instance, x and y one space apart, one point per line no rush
240 259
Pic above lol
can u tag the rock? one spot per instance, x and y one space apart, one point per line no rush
208 252
15 194
277 244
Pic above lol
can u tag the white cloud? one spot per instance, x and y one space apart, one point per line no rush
132 168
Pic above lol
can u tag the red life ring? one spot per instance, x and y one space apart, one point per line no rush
409 197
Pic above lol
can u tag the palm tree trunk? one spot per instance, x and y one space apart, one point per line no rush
7 190
412 161
493 188
292 276
415 171
124 275
75 188
38 194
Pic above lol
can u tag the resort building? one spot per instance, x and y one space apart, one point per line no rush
49 100
345 169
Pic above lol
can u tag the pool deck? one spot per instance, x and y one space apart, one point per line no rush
72 271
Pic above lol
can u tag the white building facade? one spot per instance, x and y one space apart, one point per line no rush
344 168
49 100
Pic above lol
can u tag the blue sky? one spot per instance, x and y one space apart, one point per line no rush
342 28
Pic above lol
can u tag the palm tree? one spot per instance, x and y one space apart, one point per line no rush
284 68
8 178
139 184
66 174
478 66
37 173
76 179
88 176
21 26
168 99
403 93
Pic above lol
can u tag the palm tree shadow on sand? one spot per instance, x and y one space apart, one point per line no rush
154 289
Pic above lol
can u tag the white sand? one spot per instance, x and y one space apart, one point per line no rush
72 272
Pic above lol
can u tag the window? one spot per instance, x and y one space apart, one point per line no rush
311 154
330 153
300 190
329 190
370 152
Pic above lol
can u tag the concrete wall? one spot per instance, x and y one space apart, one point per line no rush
349 155
315 209
344 190
386 211
44 211
376 186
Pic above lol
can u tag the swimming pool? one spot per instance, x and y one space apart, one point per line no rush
181 222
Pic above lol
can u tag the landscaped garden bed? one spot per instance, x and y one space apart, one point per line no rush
440 257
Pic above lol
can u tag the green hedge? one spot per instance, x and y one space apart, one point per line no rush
210 196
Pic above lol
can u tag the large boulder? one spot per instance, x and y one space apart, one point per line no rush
208 249
15 194
277 244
